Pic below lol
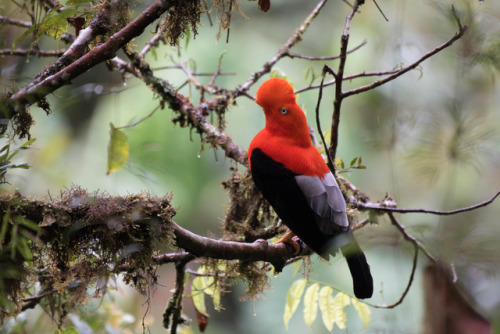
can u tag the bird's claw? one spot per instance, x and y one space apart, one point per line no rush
292 240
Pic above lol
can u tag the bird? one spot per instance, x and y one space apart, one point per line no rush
293 177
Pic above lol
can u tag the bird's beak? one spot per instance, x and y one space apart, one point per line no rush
257 101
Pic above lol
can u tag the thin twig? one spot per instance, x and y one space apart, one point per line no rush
379 207
339 78
380 10
296 37
410 238
195 74
207 12
408 286
331 163
458 35
38 53
172 315
131 125
348 77
32 301
19 23
217 73
295 55
153 41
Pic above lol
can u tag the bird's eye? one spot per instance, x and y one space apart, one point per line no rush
284 111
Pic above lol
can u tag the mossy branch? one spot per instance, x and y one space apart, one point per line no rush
83 238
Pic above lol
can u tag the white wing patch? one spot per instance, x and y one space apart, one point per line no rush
326 200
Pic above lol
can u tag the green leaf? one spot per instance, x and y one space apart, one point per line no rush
24 249
197 287
78 2
55 23
216 299
13 241
210 288
5 156
27 223
311 304
353 161
118 150
363 311
207 285
5 224
11 154
339 163
24 35
69 330
293 299
326 306
57 29
340 301
328 136
187 38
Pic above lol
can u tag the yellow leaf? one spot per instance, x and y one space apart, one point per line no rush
296 267
118 150
293 299
326 302
363 311
311 304
328 136
340 301
208 286
198 296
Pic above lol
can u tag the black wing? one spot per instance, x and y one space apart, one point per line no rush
308 219
280 188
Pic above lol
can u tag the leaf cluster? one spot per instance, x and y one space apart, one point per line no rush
55 21
6 156
321 297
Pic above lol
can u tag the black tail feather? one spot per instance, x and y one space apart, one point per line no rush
360 270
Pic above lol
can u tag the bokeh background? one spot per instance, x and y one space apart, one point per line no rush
430 139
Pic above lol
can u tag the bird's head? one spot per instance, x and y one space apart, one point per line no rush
283 115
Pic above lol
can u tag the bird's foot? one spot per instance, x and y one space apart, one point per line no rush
292 240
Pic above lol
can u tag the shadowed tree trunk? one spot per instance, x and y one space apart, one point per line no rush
446 309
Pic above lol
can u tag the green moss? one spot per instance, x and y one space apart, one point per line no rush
81 241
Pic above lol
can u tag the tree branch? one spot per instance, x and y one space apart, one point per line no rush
295 55
196 115
410 238
172 315
259 250
382 207
408 285
339 78
19 23
30 94
32 52
348 77
458 35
